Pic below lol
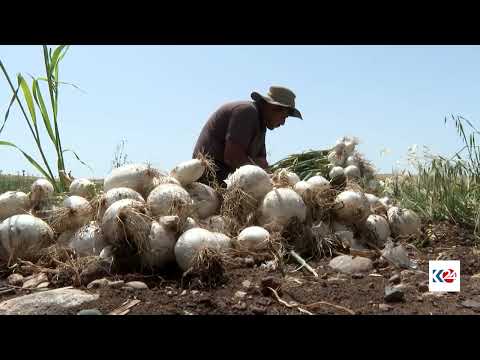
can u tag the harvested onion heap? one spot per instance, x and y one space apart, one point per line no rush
154 219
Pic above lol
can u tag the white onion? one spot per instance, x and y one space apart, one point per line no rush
205 200
41 191
22 236
352 160
217 223
318 184
300 187
336 172
352 207
386 201
161 246
193 241
106 253
352 171
189 171
82 187
123 219
165 197
350 143
251 179
13 203
189 224
159 180
373 200
114 195
139 177
336 159
281 205
292 178
403 222
80 212
378 229
88 240
253 238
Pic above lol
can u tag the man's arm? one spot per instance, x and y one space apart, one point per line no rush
235 155
261 159
240 133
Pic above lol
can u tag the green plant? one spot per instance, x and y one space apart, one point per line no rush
306 164
34 99
445 188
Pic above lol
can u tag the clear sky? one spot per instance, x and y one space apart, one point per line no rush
158 98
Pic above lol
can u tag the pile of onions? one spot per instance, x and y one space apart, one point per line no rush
88 240
378 229
139 177
82 187
23 236
403 222
253 238
281 205
251 179
166 198
116 194
193 241
189 171
352 207
205 200
13 203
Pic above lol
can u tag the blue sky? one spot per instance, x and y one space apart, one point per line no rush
158 98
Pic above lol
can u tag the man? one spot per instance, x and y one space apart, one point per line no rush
234 135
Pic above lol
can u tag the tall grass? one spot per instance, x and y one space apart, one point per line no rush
33 106
444 188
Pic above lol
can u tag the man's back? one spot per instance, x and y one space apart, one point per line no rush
237 121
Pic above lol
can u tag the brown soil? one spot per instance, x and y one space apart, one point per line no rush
364 295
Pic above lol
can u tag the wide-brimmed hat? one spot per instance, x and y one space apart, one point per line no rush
279 95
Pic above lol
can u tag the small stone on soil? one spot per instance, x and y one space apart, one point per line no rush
249 261
385 307
246 284
43 285
35 281
90 312
99 283
116 284
240 306
137 285
423 286
395 279
394 294
371 286
471 304
257 310
240 294
15 279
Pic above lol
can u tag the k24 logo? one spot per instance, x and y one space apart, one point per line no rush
444 276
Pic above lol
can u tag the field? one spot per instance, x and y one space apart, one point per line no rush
337 237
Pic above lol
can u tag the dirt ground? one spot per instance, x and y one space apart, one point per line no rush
299 292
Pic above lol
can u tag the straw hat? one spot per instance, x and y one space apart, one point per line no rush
279 95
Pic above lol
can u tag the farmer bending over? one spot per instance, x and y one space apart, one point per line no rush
234 135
